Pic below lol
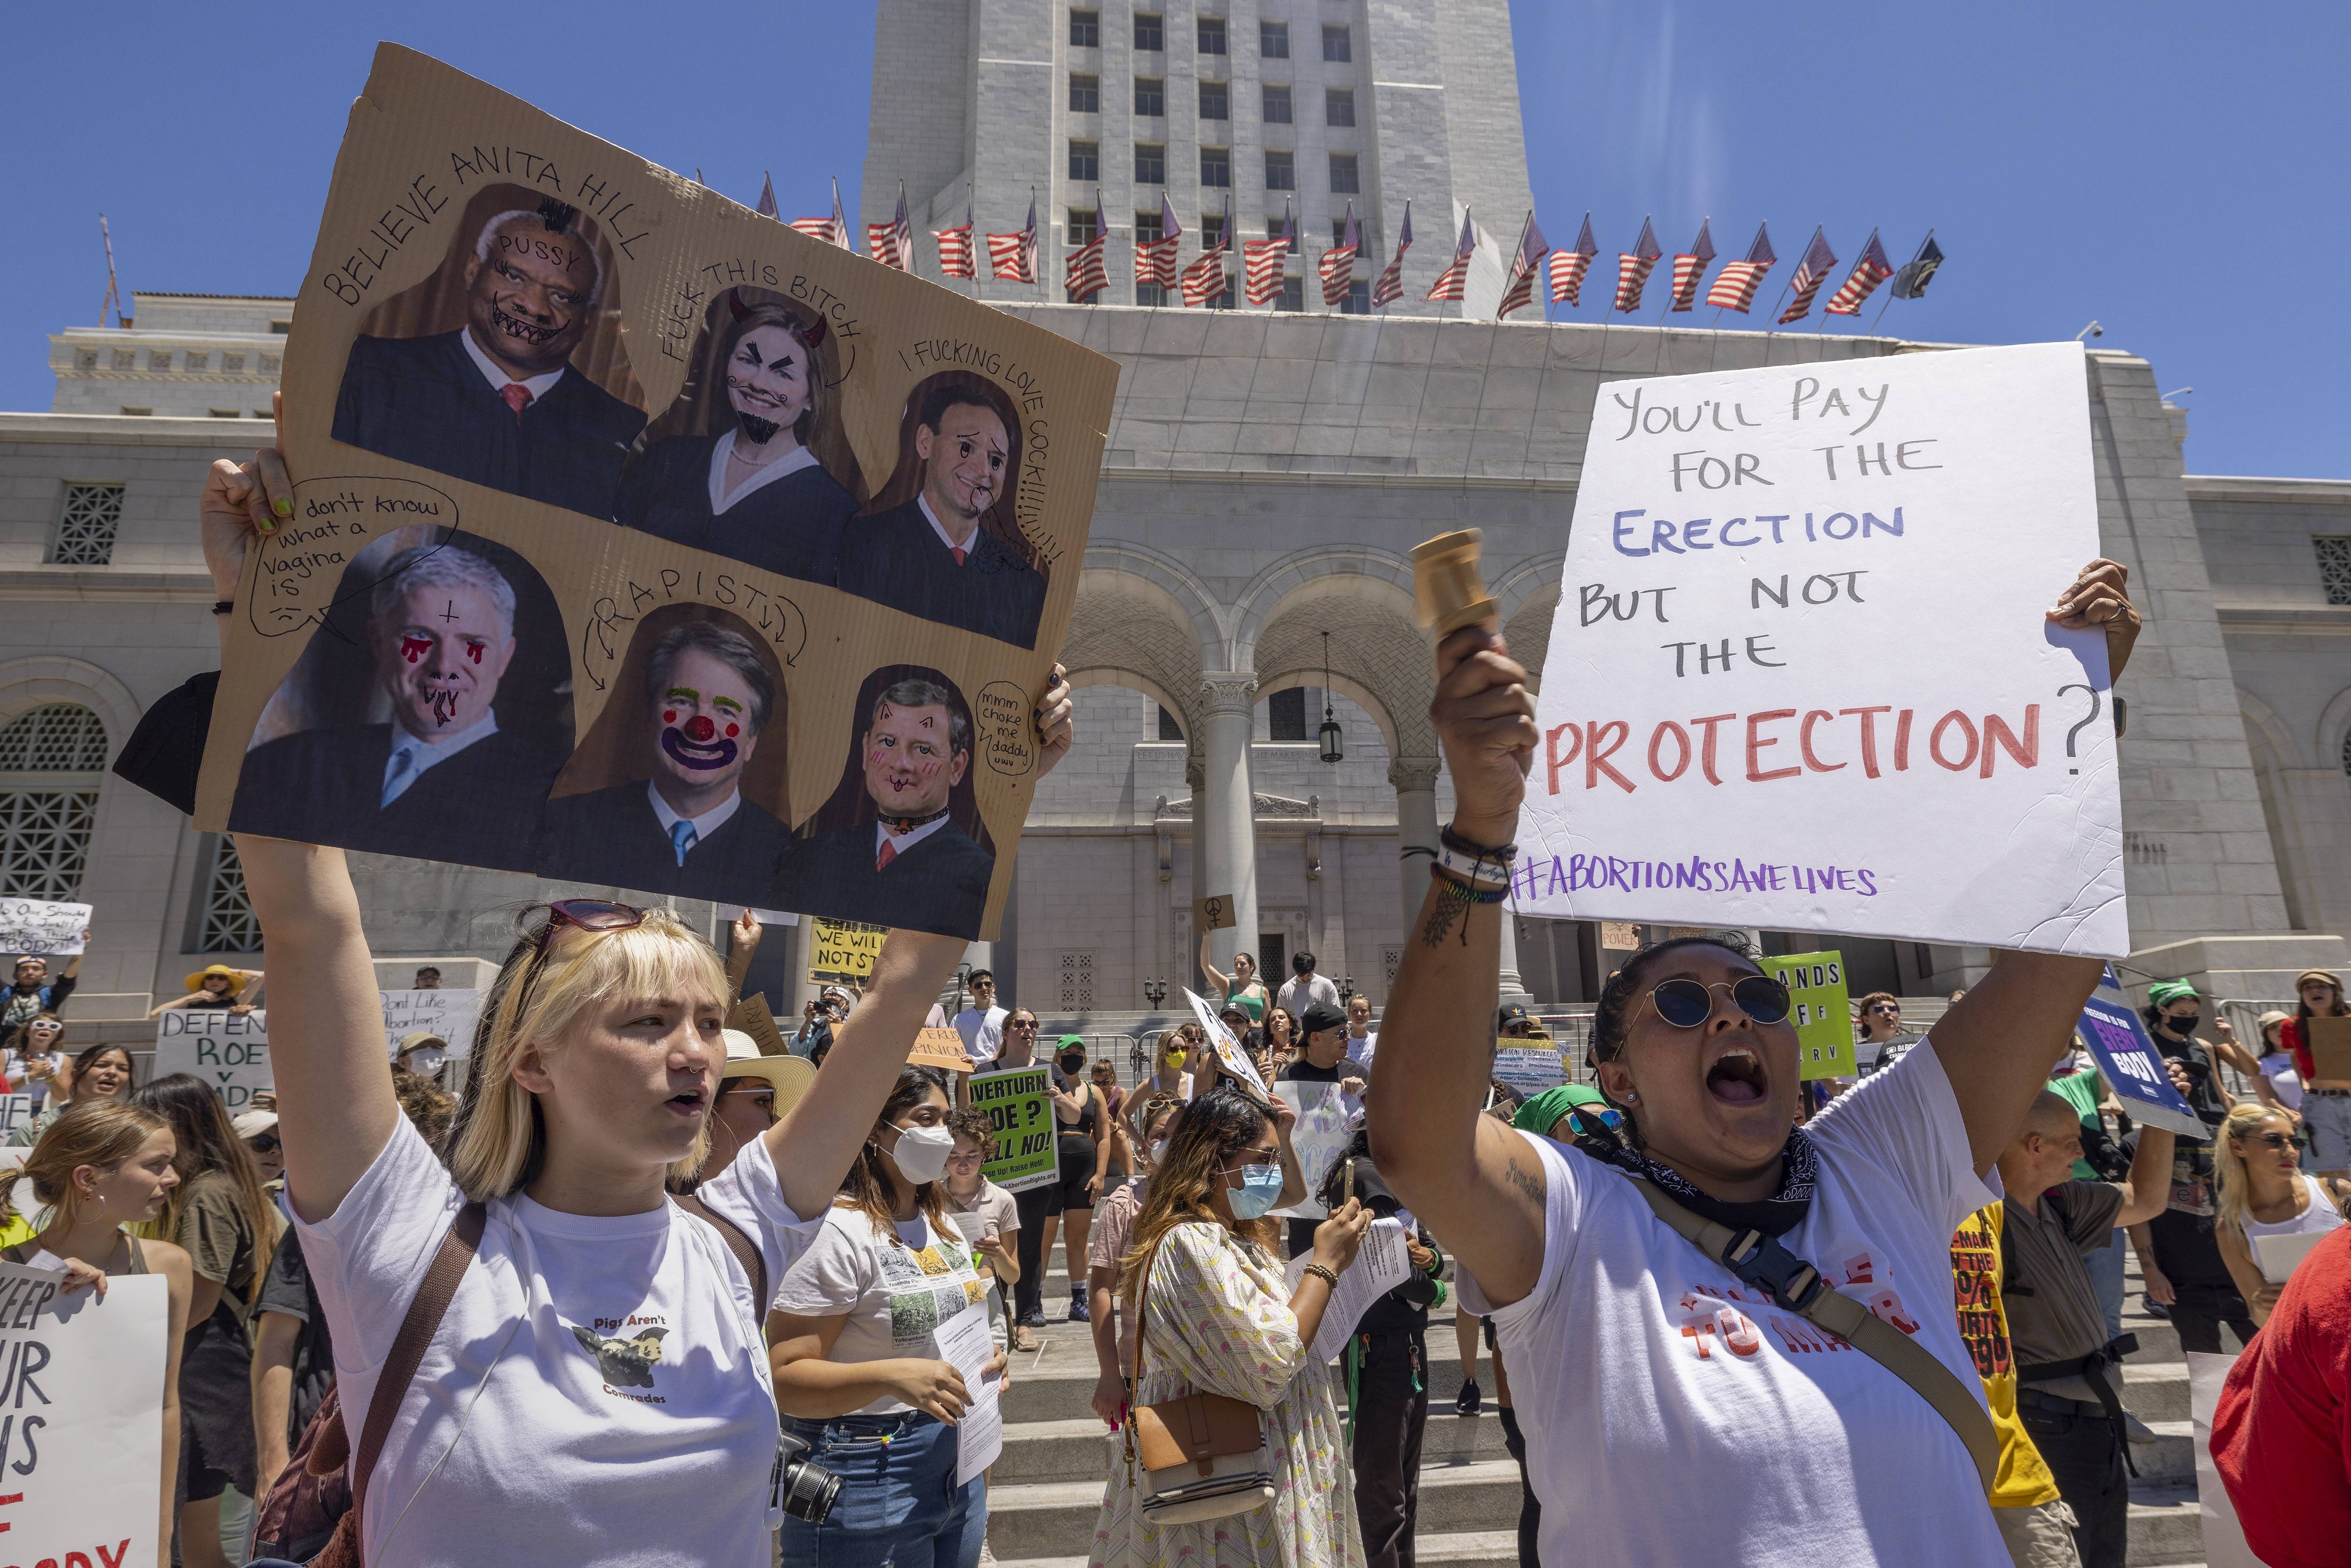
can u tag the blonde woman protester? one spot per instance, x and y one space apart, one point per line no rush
857 1362
2264 1191
102 1166
598 1319
1204 1283
1804 1458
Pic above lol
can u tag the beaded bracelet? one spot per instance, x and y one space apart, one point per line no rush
1455 887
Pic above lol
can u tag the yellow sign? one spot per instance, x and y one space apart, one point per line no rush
1818 1007
845 949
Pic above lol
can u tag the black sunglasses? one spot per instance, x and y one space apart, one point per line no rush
265 1143
1687 1004
587 915
2274 1140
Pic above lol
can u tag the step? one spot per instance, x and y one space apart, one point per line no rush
1077 1450
2166 1529
1459 1549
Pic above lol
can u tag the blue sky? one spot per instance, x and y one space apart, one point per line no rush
2168 168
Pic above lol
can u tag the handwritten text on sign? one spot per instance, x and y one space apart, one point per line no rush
229 1052
447 1013
82 1435
31 928
1801 620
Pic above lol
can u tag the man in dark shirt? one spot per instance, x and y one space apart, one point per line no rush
496 402
687 830
1322 1058
445 779
34 992
2067 1376
930 557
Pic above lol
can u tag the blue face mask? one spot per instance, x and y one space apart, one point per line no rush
1259 1190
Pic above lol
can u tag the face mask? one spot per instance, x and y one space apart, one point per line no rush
1174 1060
1073 1065
426 1059
1259 1190
2182 1023
922 1153
1157 1150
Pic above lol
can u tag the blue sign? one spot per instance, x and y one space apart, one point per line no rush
2132 1067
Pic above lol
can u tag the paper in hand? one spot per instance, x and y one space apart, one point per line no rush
1381 1265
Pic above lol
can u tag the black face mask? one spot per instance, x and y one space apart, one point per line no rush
2182 1024
1073 1065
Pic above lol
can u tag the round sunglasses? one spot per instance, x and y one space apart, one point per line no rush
1687 1004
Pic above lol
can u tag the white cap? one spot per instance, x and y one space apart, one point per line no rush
252 1123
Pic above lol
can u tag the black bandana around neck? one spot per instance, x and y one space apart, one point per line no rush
1774 1216
908 824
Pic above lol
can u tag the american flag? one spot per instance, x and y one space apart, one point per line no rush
955 247
766 207
1871 270
1533 248
1085 276
1567 267
892 244
1734 287
1910 283
1263 261
1691 264
1014 256
1633 268
1454 281
833 230
1811 273
1338 263
1390 286
1154 260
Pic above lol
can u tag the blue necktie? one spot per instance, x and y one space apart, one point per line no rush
398 775
682 835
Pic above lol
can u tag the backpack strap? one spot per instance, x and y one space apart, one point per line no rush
1799 1287
430 1304
747 1252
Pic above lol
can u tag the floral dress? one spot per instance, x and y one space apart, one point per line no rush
1216 1319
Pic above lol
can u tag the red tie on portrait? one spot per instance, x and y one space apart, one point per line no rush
517 397
956 553
889 852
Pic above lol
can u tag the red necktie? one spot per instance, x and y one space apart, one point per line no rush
517 397
956 553
889 852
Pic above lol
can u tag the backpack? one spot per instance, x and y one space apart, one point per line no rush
312 1512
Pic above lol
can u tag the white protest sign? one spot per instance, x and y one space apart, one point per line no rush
1801 677
230 1051
33 928
1229 1054
1381 1264
15 1110
2224 1536
1529 1068
82 1440
447 1013
1325 1127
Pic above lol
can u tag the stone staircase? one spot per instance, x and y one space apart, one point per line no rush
1045 1491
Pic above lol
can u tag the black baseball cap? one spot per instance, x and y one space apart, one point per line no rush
1512 1014
1320 1016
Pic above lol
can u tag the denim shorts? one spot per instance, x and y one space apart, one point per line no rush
2328 1119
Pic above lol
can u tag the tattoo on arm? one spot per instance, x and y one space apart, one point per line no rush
1440 923
1520 1178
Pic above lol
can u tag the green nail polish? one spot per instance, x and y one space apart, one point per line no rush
285 509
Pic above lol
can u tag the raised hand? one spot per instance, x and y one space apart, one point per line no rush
240 500
1485 719
2100 597
1055 728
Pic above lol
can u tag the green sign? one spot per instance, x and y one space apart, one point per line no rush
1020 1102
1819 1008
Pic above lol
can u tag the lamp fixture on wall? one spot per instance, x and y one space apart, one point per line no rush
1333 751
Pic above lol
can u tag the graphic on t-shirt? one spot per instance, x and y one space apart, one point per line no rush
925 1290
1713 1317
627 1363
1975 1276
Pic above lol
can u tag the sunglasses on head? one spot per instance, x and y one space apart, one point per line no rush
587 915
1687 1004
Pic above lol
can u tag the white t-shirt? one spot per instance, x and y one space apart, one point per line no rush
18 1068
591 1371
2277 1067
1641 1370
895 1286
1297 994
983 1032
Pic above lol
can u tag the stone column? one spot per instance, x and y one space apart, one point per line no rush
1415 778
1514 989
1224 826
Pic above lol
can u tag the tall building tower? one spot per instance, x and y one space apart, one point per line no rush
1261 104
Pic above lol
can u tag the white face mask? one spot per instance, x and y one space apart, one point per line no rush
1158 1150
923 1152
426 1059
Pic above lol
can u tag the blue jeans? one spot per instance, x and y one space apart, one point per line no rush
2105 1266
899 1505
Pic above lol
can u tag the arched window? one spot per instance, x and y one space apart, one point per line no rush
52 762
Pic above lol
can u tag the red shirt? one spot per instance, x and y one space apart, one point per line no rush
2282 1432
2290 1036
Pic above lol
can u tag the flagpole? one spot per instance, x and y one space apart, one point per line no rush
1881 314
1771 319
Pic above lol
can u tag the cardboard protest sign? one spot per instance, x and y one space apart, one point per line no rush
844 950
1820 1008
1229 1054
2132 1066
941 1048
2330 1046
450 1014
1529 1068
33 928
751 1015
640 540
229 1052
84 1453
1019 1103
1219 911
1325 1125
1619 936
1802 617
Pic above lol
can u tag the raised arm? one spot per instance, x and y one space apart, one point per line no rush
1216 977
1468 1178
742 944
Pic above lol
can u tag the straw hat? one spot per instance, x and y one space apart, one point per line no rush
790 1075
236 977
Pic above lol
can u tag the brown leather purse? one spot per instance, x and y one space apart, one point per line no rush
1203 1456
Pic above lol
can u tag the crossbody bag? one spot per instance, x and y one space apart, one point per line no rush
1200 1456
1759 1260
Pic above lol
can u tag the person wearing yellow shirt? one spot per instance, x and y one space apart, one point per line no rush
2034 1519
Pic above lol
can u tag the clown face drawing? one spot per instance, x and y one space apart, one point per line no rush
707 724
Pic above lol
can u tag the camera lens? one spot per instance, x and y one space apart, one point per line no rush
808 1488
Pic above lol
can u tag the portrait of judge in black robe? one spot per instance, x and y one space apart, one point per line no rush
460 765
500 401
707 706
900 843
744 463
940 541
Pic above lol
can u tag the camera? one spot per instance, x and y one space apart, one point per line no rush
807 1488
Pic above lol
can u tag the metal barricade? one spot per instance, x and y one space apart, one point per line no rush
2243 1015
